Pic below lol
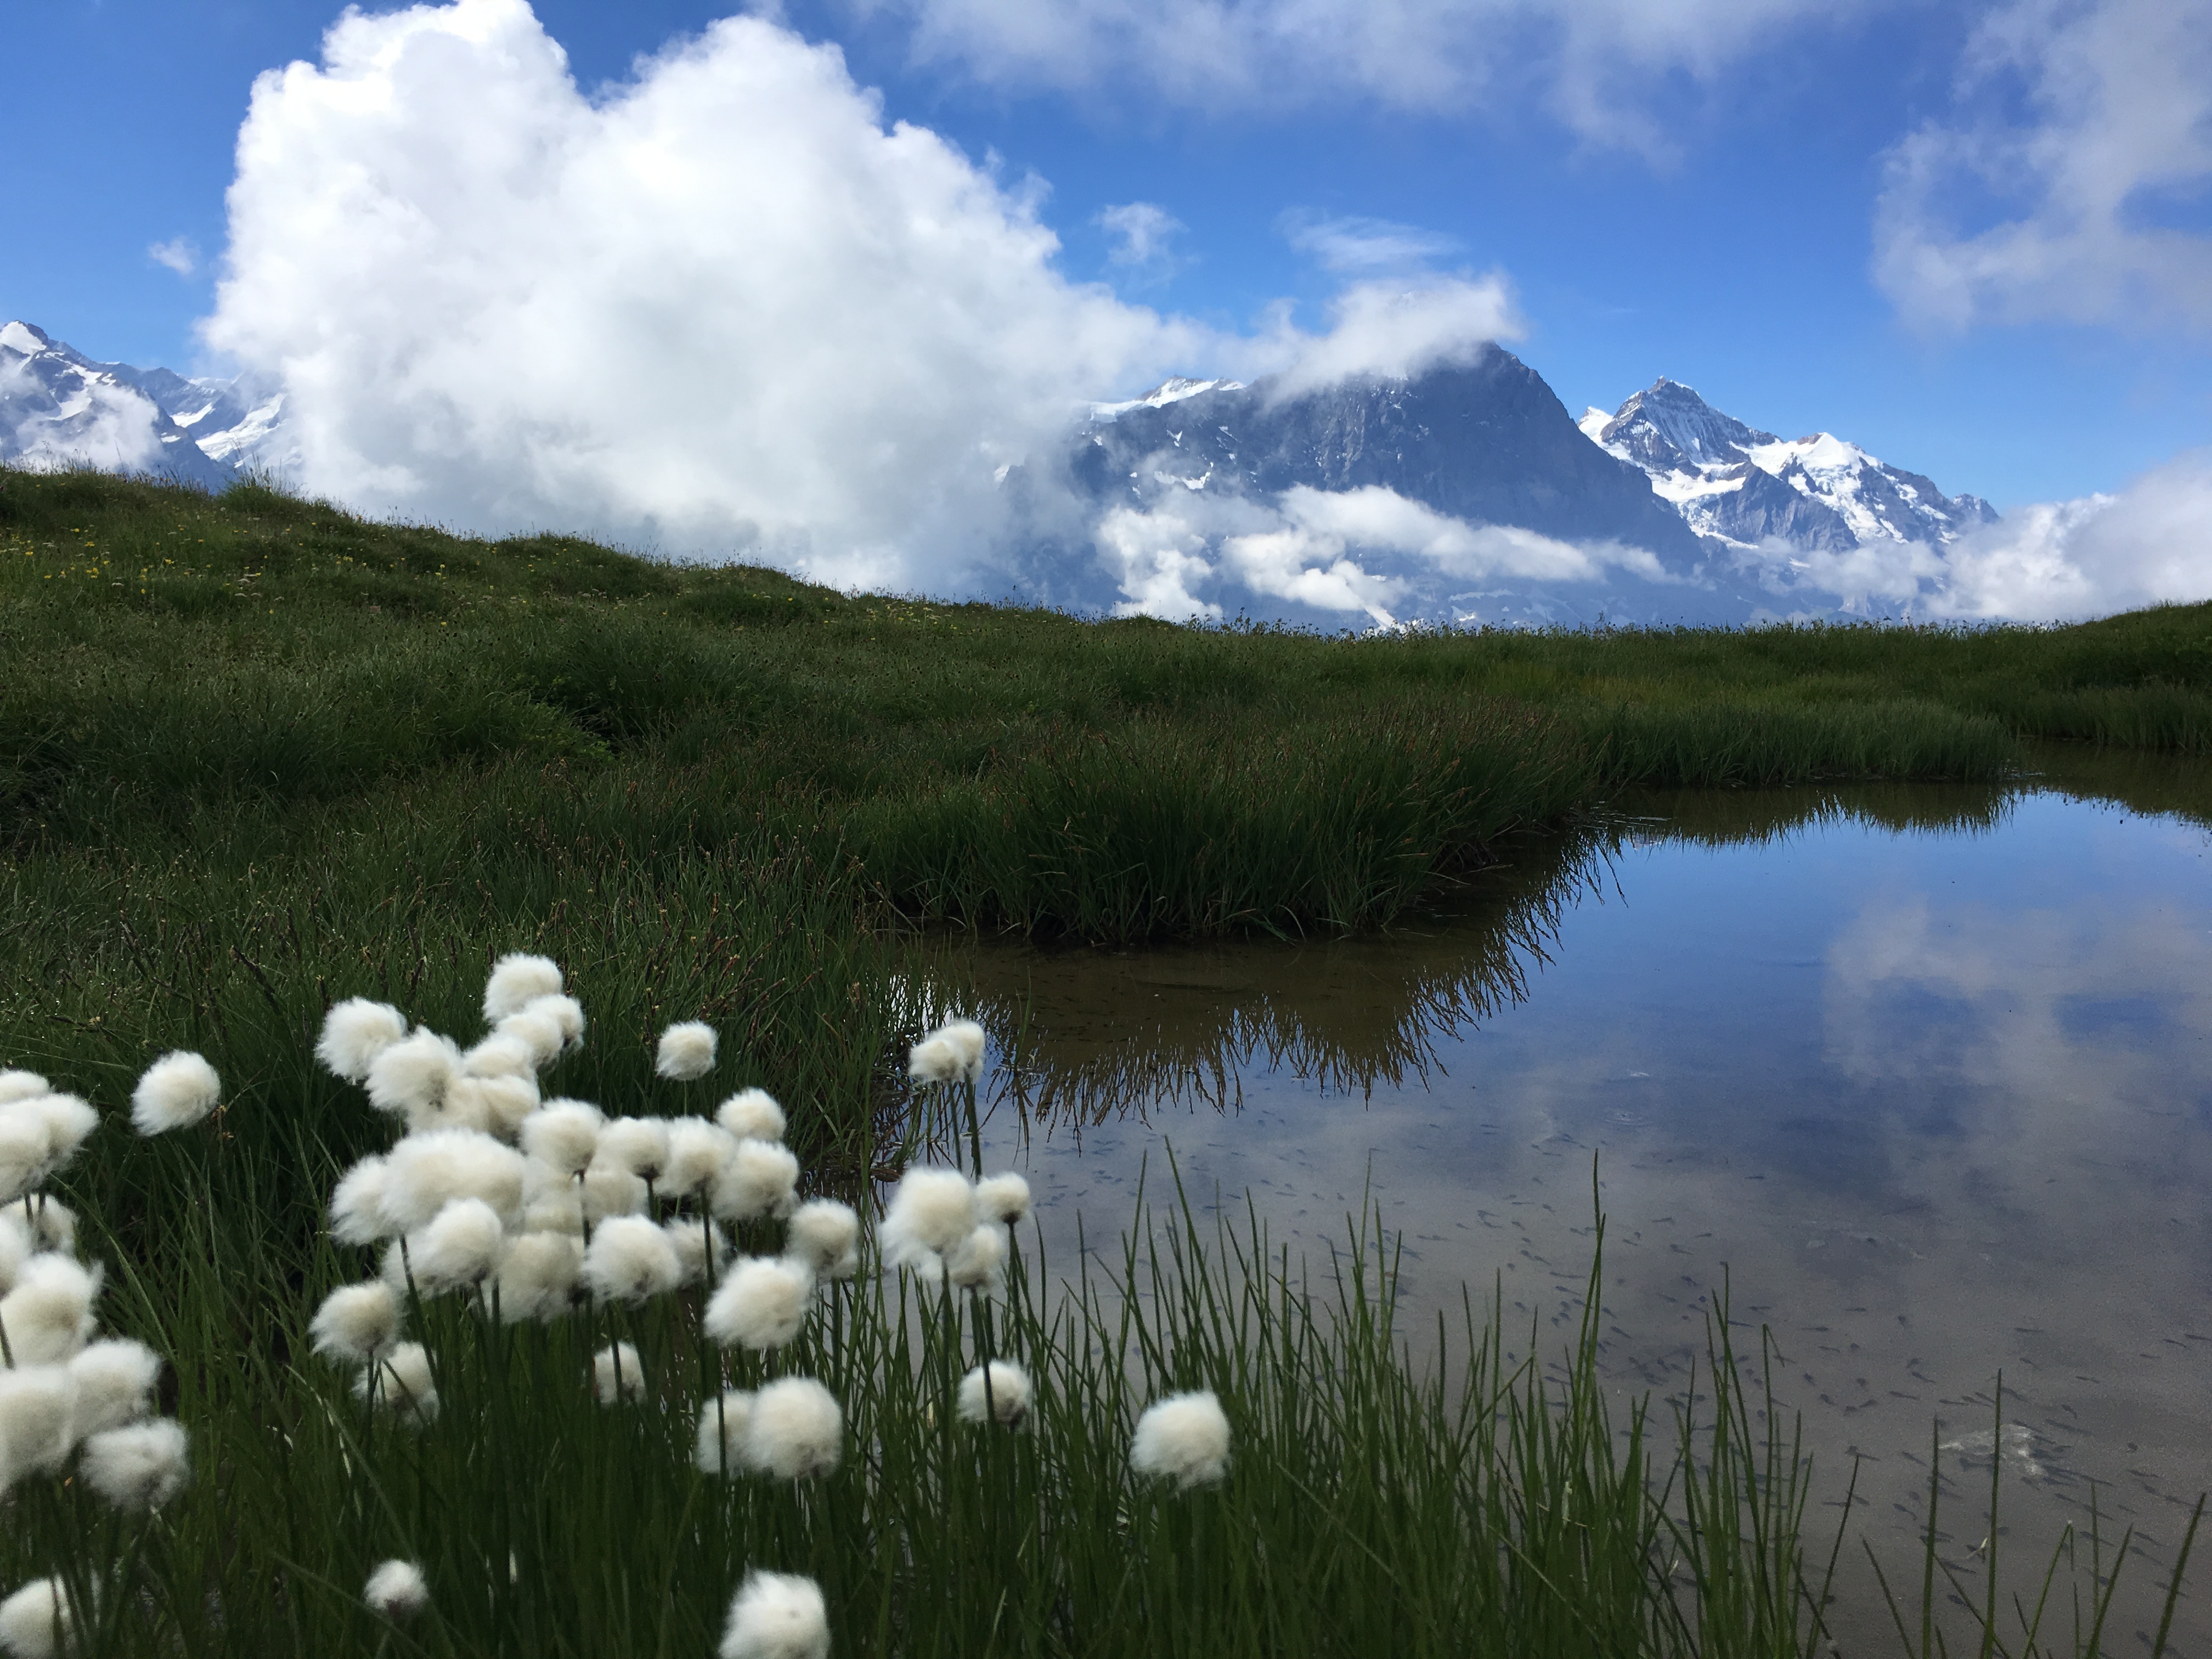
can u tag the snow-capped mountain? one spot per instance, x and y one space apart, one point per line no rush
58 408
1750 489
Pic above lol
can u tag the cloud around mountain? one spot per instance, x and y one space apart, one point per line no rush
722 309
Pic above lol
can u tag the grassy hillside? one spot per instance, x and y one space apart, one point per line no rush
257 755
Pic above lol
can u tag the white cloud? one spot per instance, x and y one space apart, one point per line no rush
1390 331
1367 247
2151 542
1362 552
179 253
1596 61
1142 233
93 422
2053 562
719 309
2062 210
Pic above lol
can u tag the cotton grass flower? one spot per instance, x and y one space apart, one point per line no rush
410 1078
538 1276
693 1239
953 1053
38 1420
616 1374
565 1012
761 1179
1003 1198
426 1172
686 1052
355 1032
722 1426
761 1304
397 1589
698 1153
357 1214
1185 1439
751 1115
36 1621
608 1191
931 1211
637 1145
826 1236
48 1315
402 1384
776 1615
459 1248
979 1259
53 1226
176 1091
517 981
564 1133
139 1467
538 1030
1006 1398
114 1382
499 1055
797 1430
23 1086
69 1120
494 1105
355 1323
16 1248
27 1140
629 1259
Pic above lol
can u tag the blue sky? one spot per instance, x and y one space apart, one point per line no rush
1705 203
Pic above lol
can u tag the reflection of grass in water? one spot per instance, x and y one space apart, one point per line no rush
1086 1037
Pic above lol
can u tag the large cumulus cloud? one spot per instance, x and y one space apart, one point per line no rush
721 308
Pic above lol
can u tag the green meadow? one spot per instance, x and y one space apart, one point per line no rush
258 755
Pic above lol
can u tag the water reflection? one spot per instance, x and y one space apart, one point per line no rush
1928 1071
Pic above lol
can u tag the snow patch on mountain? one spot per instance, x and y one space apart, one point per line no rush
1749 489
59 409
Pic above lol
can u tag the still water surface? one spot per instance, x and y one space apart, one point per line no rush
1922 1072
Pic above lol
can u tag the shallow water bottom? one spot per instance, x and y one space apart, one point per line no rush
1919 1077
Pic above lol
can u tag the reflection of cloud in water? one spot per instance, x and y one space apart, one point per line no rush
1926 1071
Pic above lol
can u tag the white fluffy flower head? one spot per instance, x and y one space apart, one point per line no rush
826 1236
751 1115
69 1119
355 1032
538 1275
777 1615
402 1381
761 1179
616 1374
458 1248
114 1382
1185 1439
139 1467
763 1302
426 1172
48 1315
798 1430
564 1133
21 1085
1003 1198
1005 1399
357 1214
37 1622
357 1322
931 1211
722 1426
631 1259
410 1078
686 1053
397 1589
698 1153
38 1410
638 1145
953 1053
517 981
976 1262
